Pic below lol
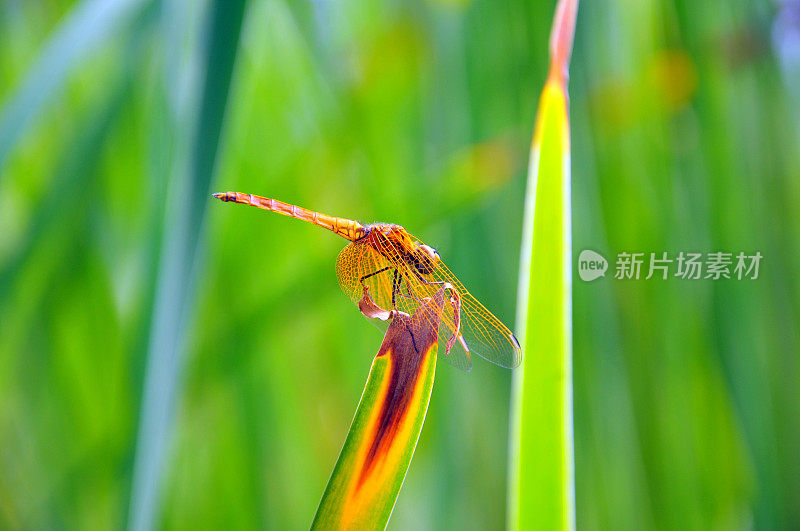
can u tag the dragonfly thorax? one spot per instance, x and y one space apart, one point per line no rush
394 242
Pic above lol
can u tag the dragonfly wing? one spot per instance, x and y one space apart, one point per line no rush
484 334
457 357
487 336
360 265
359 262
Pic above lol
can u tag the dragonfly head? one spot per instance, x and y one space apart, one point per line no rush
426 259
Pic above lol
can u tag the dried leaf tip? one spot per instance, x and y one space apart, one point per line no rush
561 38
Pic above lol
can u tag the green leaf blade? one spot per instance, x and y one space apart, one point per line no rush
541 464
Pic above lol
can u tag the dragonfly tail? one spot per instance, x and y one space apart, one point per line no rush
346 228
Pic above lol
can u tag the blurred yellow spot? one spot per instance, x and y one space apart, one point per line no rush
673 77
613 102
664 85
481 167
391 62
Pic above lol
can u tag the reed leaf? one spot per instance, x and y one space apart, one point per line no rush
193 168
541 475
377 452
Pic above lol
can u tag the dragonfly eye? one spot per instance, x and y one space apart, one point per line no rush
429 253
425 259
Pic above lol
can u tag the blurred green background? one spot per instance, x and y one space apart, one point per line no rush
171 361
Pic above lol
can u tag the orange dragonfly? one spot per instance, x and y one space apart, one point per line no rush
400 272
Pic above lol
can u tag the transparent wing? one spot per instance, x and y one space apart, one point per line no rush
484 334
385 273
359 261
457 357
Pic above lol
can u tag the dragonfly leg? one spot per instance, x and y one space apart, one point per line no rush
411 295
460 337
365 277
413 343
394 289
395 283
430 282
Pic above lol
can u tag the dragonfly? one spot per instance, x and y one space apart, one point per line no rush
400 272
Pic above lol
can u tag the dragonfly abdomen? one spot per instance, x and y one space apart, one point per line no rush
346 228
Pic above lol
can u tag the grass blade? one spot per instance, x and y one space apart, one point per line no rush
541 475
366 480
178 267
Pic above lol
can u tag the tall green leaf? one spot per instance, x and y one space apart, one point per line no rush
193 168
541 476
